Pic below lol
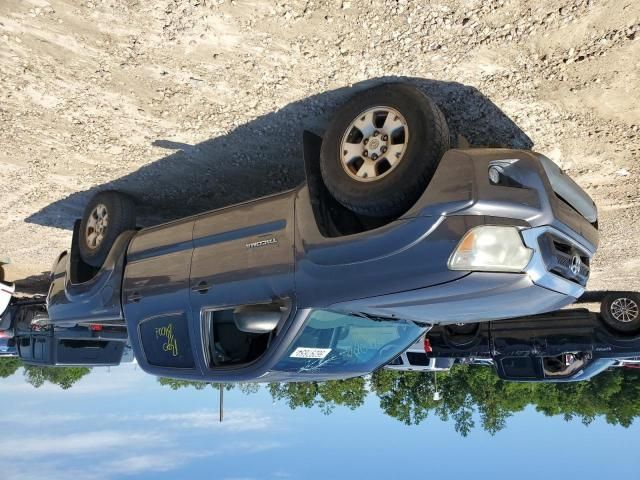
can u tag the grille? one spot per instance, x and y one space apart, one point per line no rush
561 258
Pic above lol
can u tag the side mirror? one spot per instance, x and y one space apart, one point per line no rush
257 318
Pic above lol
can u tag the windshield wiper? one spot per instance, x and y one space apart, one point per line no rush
379 318
375 318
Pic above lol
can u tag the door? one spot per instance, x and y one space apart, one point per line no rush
156 280
565 331
244 254
514 338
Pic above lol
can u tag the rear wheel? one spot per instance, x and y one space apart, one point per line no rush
621 311
382 148
107 215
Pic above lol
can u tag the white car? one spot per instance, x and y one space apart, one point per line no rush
633 362
6 292
414 359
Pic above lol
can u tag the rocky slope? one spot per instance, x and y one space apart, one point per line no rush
196 104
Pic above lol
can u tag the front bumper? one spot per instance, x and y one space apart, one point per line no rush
461 186
478 296
562 239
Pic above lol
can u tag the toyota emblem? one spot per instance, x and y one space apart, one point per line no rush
576 263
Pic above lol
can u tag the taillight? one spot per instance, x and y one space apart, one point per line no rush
427 345
95 328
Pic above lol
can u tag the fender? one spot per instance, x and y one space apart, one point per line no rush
96 300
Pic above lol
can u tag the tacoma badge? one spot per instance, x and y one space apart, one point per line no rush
262 243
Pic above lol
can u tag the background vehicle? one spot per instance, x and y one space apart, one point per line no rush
7 344
6 292
566 345
490 229
628 363
414 359
22 311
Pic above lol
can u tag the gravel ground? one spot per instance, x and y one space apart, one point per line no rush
196 104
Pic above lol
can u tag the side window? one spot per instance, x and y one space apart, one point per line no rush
241 335
24 348
419 359
165 341
396 361
563 365
519 367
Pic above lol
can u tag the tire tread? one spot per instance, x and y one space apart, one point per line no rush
389 206
121 218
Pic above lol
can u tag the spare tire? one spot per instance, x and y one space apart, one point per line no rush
381 149
106 216
461 335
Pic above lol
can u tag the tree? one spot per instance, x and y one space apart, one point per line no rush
465 390
248 388
614 395
350 393
175 384
64 377
406 396
468 394
245 387
9 366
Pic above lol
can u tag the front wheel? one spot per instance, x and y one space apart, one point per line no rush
107 215
621 311
382 148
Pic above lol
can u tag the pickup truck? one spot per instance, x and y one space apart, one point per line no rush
391 233
564 346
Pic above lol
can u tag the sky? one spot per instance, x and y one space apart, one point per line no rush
121 423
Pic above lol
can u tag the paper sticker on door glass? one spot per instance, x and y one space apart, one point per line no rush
303 352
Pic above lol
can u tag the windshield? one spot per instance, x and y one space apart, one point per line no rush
332 342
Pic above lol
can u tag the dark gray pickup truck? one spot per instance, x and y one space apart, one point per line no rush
391 233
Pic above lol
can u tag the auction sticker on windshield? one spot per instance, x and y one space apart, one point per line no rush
304 352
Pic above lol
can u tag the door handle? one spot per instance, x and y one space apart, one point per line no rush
202 287
135 297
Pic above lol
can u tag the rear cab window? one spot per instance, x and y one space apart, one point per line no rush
166 343
25 348
519 367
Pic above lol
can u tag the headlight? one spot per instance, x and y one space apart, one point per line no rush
491 249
